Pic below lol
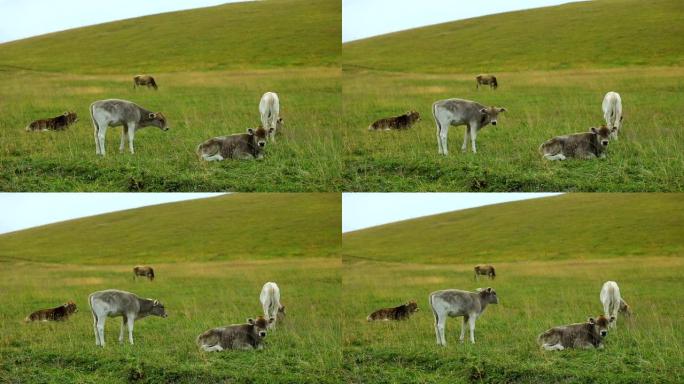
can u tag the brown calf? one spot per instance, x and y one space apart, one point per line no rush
53 314
401 312
143 270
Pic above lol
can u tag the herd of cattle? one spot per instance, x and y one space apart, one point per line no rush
470 305
116 112
115 303
475 116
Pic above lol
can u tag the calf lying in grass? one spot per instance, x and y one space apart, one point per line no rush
586 145
53 314
402 312
238 336
248 145
580 335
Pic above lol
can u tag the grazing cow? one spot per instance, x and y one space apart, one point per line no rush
115 112
143 270
474 116
112 303
237 336
487 270
612 302
58 123
455 303
585 145
145 80
486 80
612 112
248 145
270 302
402 312
404 121
53 314
269 109
579 335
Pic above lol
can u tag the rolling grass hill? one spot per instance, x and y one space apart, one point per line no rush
551 256
566 227
212 66
250 35
211 258
591 34
553 65
252 226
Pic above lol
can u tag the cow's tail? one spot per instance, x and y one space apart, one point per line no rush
92 308
431 300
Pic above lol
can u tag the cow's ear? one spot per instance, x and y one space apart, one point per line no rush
66 113
502 109
271 320
594 131
250 131
483 110
614 129
250 321
489 290
280 119
270 130
591 320
612 319
152 115
156 302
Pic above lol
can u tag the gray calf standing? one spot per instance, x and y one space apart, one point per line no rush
115 112
455 303
112 303
474 116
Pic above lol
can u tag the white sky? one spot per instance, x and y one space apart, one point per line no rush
365 18
25 210
24 18
363 210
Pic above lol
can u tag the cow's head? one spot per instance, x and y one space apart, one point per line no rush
488 295
600 325
259 136
71 307
490 115
625 308
158 120
279 123
71 117
603 134
158 309
414 116
260 325
412 306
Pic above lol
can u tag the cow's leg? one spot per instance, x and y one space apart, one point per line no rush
100 329
471 322
124 137
101 133
97 140
97 334
440 323
463 326
558 156
464 147
131 320
443 134
123 324
473 137
212 348
131 136
216 157
553 347
439 139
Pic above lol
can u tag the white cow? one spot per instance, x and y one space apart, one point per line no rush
612 302
612 112
269 109
270 302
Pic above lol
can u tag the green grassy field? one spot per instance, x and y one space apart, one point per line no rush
548 273
548 91
211 71
219 286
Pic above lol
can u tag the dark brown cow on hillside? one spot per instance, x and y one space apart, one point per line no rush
487 80
487 270
58 123
145 80
143 270
404 121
